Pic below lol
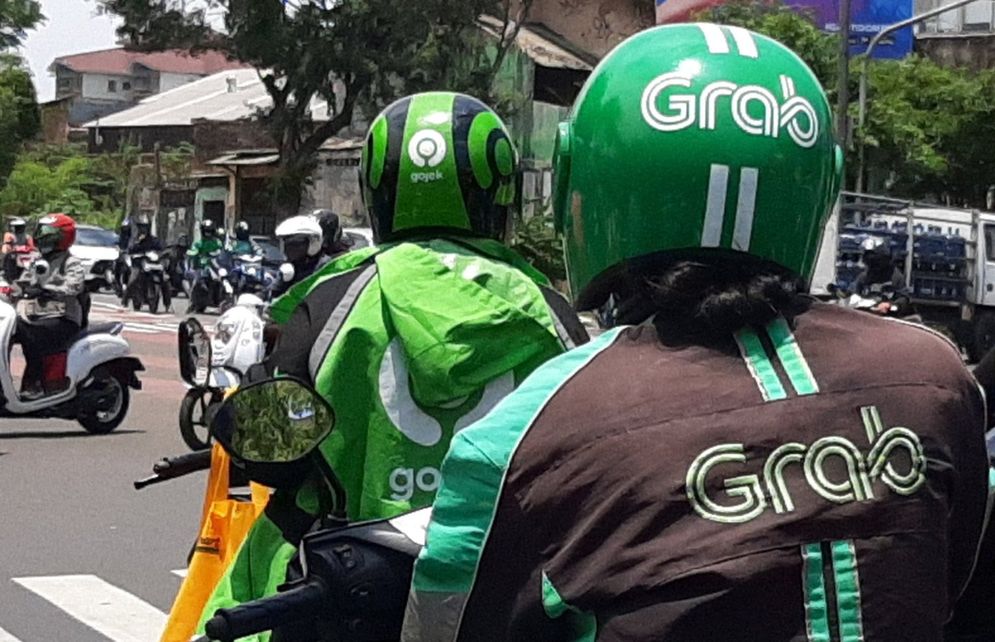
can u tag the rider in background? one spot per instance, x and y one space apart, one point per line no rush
50 311
300 241
242 244
333 241
735 461
143 242
16 237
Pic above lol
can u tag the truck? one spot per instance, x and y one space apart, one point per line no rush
951 273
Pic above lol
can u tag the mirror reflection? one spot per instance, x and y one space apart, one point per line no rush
276 421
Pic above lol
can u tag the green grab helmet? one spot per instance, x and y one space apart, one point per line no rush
689 139
438 160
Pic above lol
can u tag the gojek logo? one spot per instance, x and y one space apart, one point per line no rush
418 425
427 148
754 109
857 486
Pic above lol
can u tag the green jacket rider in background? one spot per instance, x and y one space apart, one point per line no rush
209 245
414 339
242 244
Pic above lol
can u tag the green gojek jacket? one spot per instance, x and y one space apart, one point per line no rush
430 336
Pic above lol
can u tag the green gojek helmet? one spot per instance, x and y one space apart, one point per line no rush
689 139
438 161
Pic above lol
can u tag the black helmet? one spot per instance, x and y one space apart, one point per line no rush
208 229
331 228
242 231
438 160
143 226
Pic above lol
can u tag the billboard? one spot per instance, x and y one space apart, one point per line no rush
867 18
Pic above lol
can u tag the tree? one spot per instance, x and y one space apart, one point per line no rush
350 53
19 117
17 17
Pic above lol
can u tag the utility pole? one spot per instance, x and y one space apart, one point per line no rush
843 76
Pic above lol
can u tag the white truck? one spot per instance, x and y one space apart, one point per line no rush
951 274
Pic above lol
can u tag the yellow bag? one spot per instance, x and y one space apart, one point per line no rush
224 525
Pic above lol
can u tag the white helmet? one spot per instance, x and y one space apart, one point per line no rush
302 226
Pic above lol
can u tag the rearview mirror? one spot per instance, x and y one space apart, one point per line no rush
194 348
272 427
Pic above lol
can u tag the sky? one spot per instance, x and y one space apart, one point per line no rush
72 26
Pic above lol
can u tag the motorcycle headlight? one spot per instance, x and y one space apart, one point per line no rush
153 256
222 272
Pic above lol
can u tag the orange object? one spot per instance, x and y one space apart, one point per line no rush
224 525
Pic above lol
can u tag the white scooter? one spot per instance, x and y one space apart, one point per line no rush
100 370
237 345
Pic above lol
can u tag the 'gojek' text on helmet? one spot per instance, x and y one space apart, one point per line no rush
439 161
689 139
303 226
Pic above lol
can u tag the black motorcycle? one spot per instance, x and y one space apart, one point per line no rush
350 581
149 285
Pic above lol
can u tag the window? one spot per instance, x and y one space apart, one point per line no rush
990 242
126 86
111 86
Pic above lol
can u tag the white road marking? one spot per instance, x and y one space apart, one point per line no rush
7 637
109 610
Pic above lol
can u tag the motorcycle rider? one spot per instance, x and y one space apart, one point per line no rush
333 242
738 462
415 338
200 255
49 309
144 242
300 240
243 245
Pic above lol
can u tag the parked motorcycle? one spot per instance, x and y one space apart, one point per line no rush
237 344
211 285
350 582
99 366
151 285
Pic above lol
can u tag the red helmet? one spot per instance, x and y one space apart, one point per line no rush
55 233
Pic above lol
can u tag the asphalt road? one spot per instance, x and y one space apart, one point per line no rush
85 557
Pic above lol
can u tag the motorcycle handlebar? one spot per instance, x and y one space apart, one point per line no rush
281 609
173 467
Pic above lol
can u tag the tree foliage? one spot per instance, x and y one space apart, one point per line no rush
19 117
17 17
349 53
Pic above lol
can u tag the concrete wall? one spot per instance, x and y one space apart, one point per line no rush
336 187
594 25
95 88
974 51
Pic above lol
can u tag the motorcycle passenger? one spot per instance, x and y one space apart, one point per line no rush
121 272
333 242
300 240
16 237
144 242
17 234
734 461
243 245
415 338
49 309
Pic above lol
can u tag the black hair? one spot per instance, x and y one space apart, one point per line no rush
707 298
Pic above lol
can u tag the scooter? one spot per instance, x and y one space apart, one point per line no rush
349 582
99 367
237 344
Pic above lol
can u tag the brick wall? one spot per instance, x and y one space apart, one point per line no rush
213 138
